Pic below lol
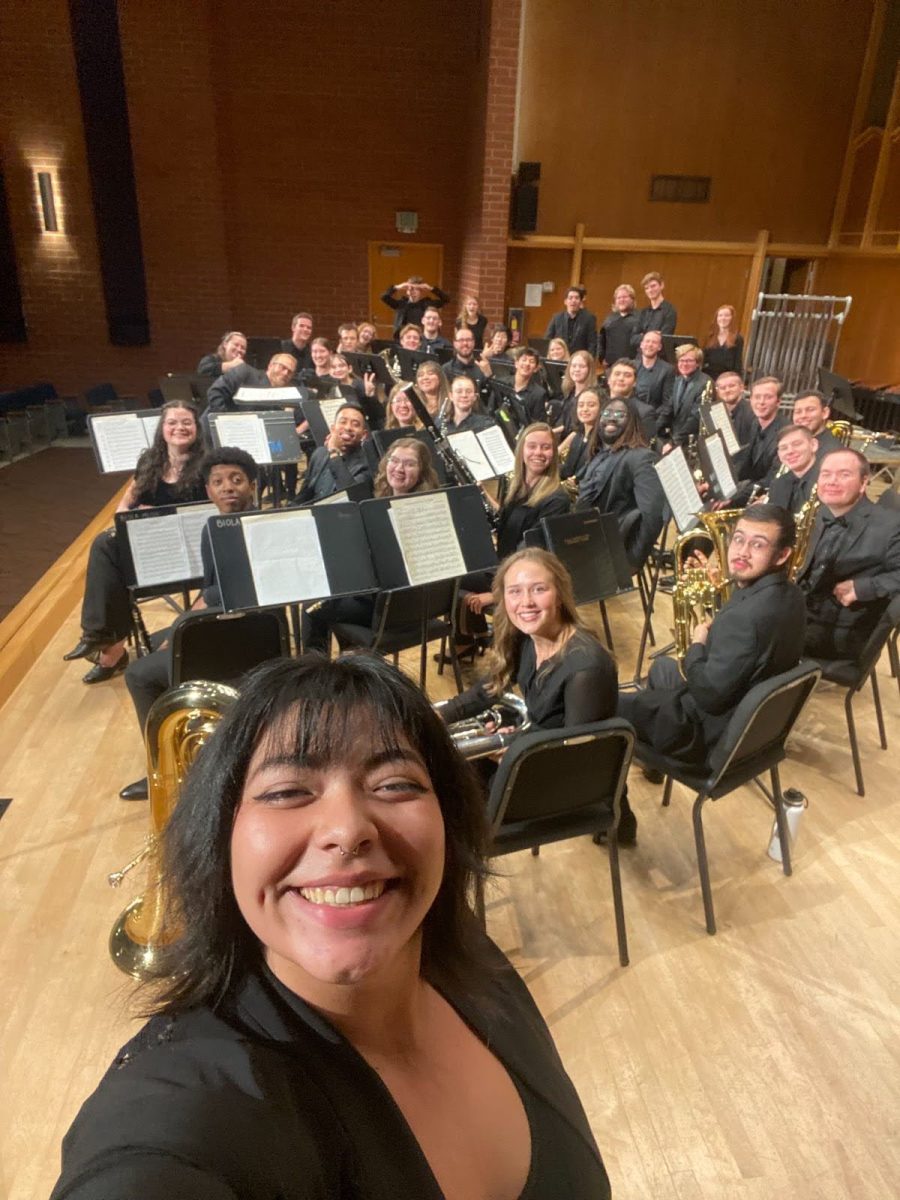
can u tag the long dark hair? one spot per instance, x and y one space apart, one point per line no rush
315 707
153 462
632 436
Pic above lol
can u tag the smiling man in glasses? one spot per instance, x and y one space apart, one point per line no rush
758 633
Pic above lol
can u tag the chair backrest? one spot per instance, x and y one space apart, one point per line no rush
558 772
890 499
101 393
764 718
222 647
871 651
402 608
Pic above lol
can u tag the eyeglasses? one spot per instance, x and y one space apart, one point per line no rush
409 464
754 544
613 414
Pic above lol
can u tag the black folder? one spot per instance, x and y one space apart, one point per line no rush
588 543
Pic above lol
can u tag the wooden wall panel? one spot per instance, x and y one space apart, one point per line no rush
757 96
869 349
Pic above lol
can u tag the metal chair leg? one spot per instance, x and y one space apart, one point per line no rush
607 632
784 834
854 745
703 865
667 792
879 715
618 907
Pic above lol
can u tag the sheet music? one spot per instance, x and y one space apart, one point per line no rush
121 439
679 487
423 526
721 419
718 458
246 431
468 447
289 395
192 518
498 451
150 426
330 407
335 498
285 557
158 550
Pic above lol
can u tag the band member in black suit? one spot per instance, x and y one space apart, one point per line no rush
297 344
463 360
575 325
341 462
529 393
655 377
758 633
616 334
621 478
812 410
417 295
659 314
730 390
679 416
621 381
853 566
279 373
792 487
757 463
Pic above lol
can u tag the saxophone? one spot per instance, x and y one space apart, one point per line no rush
696 594
180 722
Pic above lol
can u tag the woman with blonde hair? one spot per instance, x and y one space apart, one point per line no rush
230 352
581 373
472 318
557 350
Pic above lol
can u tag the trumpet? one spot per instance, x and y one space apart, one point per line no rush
477 737
180 722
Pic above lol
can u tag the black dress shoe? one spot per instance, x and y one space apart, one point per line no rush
135 791
100 674
84 649
652 775
627 832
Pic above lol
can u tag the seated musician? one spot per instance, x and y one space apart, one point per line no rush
529 393
230 352
364 390
678 418
341 462
852 569
557 350
757 462
298 344
432 338
621 382
758 633
577 450
405 469
812 411
620 478
655 377
730 392
400 411
410 337
348 338
581 373
167 473
415 296
432 388
496 343
793 486
230 476
320 358
332 1020
278 374
565 675
463 360
463 410
366 332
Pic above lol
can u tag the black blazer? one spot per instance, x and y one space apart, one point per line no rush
654 384
624 482
584 334
792 492
678 418
514 520
263 1099
222 391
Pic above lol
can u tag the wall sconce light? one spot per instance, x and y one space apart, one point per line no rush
48 204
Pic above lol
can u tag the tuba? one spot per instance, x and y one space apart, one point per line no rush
696 594
179 723
473 739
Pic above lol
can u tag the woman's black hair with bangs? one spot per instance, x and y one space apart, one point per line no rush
311 708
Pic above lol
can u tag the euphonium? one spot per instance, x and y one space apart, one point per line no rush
804 521
473 739
696 594
179 723
842 430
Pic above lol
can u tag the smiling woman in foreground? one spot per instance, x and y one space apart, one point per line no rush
335 1022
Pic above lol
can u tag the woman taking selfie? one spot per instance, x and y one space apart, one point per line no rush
335 1022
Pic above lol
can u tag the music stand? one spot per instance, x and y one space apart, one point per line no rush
840 393
261 349
276 440
186 388
553 373
717 467
370 364
119 439
542 345
671 342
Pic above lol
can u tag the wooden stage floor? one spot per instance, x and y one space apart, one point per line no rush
760 1064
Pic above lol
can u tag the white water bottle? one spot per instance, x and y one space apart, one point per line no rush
794 804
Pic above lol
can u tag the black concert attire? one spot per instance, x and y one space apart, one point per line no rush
514 520
106 607
719 359
211 365
471 369
303 356
825 443
577 457
149 676
625 482
663 319
757 463
410 312
614 337
646 414
436 343
329 472
476 330
262 1098
578 332
577 685
221 394
678 418
744 421
475 422
758 633
654 384
792 491
533 399
863 545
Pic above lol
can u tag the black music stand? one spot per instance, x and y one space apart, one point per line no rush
553 372
671 342
541 345
370 364
840 394
261 349
185 387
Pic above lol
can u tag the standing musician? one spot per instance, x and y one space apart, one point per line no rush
298 344
724 349
463 410
332 1020
812 410
230 476
620 478
404 470
230 352
417 295
655 377
615 336
575 324
576 452
793 487
472 318
678 419
341 462
758 633
168 472
853 566
222 391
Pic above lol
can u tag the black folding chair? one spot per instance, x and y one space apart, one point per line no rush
753 742
221 647
560 783
407 617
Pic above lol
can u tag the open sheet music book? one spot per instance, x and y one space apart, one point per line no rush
680 489
721 419
487 454
245 431
717 469
282 395
119 439
285 557
165 546
426 534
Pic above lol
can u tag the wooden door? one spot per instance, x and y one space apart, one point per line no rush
392 262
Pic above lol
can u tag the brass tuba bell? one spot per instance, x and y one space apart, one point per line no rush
179 723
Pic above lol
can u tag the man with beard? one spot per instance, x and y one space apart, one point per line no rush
655 377
614 339
278 374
